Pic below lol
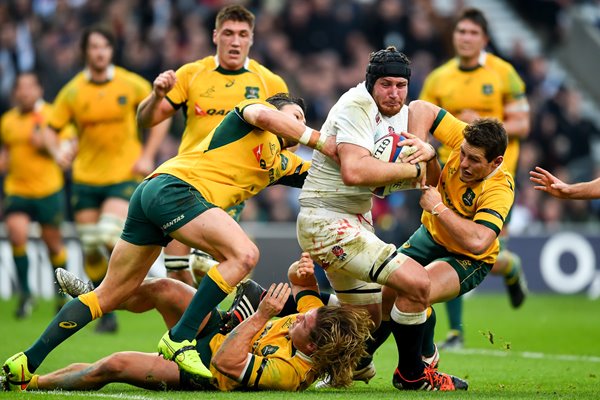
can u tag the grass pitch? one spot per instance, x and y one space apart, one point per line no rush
548 349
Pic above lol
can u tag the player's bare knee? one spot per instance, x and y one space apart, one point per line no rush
419 292
248 258
160 286
111 366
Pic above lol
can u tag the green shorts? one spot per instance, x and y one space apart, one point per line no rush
423 249
49 210
188 381
92 196
235 212
159 206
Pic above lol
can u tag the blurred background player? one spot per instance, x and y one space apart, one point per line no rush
108 159
33 184
472 85
207 90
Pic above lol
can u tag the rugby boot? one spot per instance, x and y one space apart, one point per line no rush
245 303
16 373
70 284
429 381
184 354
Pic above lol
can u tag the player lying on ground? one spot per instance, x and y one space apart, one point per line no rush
285 354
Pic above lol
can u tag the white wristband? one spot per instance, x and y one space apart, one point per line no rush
305 138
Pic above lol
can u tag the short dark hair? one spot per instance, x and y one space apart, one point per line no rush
488 134
99 29
474 15
25 73
234 13
281 99
386 62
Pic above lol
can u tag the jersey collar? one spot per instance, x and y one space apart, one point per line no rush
480 62
231 72
110 74
491 174
37 107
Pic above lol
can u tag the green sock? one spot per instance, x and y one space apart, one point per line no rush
70 319
428 347
22 264
207 297
514 268
454 308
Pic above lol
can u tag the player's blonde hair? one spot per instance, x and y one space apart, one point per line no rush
340 337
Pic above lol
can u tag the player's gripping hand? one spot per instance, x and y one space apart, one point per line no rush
425 151
163 83
274 300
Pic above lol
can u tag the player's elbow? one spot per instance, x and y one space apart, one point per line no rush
351 175
223 364
478 246
261 117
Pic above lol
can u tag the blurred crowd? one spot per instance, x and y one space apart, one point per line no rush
320 48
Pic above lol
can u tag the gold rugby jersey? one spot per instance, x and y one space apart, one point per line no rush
31 172
208 93
485 202
236 161
484 89
104 116
275 364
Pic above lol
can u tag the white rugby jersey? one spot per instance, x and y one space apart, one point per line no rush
354 119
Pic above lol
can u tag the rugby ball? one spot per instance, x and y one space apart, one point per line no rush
389 149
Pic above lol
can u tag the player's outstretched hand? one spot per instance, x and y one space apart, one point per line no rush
425 151
273 302
163 83
546 182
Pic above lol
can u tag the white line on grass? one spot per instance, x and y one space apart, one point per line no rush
528 354
62 393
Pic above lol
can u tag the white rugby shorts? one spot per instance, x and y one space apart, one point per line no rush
356 261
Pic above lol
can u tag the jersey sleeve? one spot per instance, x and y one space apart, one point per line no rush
272 373
494 205
179 94
307 300
448 129
296 172
62 112
515 86
141 88
277 85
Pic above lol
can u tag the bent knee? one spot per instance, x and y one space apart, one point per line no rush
247 258
111 366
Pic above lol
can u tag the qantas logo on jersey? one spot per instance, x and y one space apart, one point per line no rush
199 112
258 152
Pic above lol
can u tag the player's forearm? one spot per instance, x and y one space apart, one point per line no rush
231 357
473 237
147 110
517 121
367 171
51 141
585 190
